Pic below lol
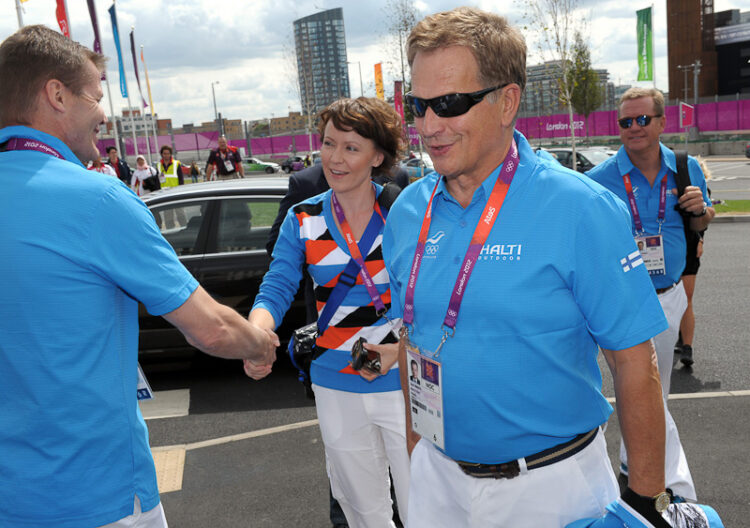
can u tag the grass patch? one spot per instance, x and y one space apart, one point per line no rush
733 206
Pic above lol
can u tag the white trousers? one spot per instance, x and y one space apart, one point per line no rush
676 471
441 495
154 518
363 435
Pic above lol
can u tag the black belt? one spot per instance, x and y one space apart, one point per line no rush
509 470
659 291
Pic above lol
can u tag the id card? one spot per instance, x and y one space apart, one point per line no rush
229 165
143 390
652 253
426 396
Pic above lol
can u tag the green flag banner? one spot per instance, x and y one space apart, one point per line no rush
645 46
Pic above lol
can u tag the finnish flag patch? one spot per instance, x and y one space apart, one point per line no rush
631 261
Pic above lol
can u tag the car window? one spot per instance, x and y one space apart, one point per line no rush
180 224
244 223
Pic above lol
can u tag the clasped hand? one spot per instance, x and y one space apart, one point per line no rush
265 355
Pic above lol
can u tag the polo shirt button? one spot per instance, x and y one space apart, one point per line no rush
456 260
462 223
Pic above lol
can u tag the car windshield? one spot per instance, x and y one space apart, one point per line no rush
596 156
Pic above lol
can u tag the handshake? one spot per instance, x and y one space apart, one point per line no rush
263 354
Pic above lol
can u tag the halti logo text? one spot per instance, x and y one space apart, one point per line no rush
497 252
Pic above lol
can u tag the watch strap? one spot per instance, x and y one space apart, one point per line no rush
645 506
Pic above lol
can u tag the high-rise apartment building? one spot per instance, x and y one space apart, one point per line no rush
320 43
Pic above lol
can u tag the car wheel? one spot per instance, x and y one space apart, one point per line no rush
269 170
286 169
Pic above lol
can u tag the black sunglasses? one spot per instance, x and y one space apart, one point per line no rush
642 120
450 105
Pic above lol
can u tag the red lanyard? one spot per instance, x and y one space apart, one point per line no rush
481 233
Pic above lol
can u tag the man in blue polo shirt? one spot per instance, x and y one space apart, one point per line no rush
519 271
77 253
642 175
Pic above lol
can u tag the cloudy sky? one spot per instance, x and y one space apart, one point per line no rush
246 46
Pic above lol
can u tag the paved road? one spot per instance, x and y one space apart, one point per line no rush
253 455
730 179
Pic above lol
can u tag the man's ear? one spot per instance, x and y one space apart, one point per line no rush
55 94
510 100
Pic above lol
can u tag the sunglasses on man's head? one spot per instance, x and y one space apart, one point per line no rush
450 105
642 120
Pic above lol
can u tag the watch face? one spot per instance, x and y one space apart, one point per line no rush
661 501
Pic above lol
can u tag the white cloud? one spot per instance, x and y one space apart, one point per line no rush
243 44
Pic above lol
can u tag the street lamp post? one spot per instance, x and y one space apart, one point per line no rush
219 124
359 65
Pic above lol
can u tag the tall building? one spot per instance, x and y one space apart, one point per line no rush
732 37
321 59
542 93
690 34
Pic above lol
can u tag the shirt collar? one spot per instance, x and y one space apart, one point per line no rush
31 133
666 155
527 162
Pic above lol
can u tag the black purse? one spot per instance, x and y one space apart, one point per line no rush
152 183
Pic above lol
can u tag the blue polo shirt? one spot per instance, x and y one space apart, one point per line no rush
78 249
520 373
610 173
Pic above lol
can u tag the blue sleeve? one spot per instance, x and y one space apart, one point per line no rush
282 280
128 249
698 179
609 280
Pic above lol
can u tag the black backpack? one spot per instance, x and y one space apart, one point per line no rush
682 179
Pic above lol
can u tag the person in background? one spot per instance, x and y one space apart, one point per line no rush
142 171
361 413
170 170
121 167
195 172
75 450
225 160
97 165
684 345
642 175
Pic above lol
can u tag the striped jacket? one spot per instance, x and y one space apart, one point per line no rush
309 236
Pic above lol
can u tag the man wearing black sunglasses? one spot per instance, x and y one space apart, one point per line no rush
642 175
501 295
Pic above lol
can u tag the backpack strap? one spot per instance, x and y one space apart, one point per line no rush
682 179
387 196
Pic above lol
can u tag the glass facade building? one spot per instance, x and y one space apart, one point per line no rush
322 68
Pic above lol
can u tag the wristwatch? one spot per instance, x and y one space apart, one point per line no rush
702 213
659 502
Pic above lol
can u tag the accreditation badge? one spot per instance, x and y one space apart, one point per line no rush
425 396
228 165
143 391
651 248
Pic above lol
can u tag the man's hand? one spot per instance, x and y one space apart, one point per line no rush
268 341
388 358
691 200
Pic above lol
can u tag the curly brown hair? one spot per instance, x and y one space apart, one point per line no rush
371 118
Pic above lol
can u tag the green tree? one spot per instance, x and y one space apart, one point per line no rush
556 21
586 92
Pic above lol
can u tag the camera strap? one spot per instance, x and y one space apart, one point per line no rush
481 233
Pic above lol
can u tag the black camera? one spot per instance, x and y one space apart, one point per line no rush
363 358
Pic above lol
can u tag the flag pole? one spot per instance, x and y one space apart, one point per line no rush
19 10
127 94
135 69
653 66
150 102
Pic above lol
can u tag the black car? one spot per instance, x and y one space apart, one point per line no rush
219 231
747 150
293 163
